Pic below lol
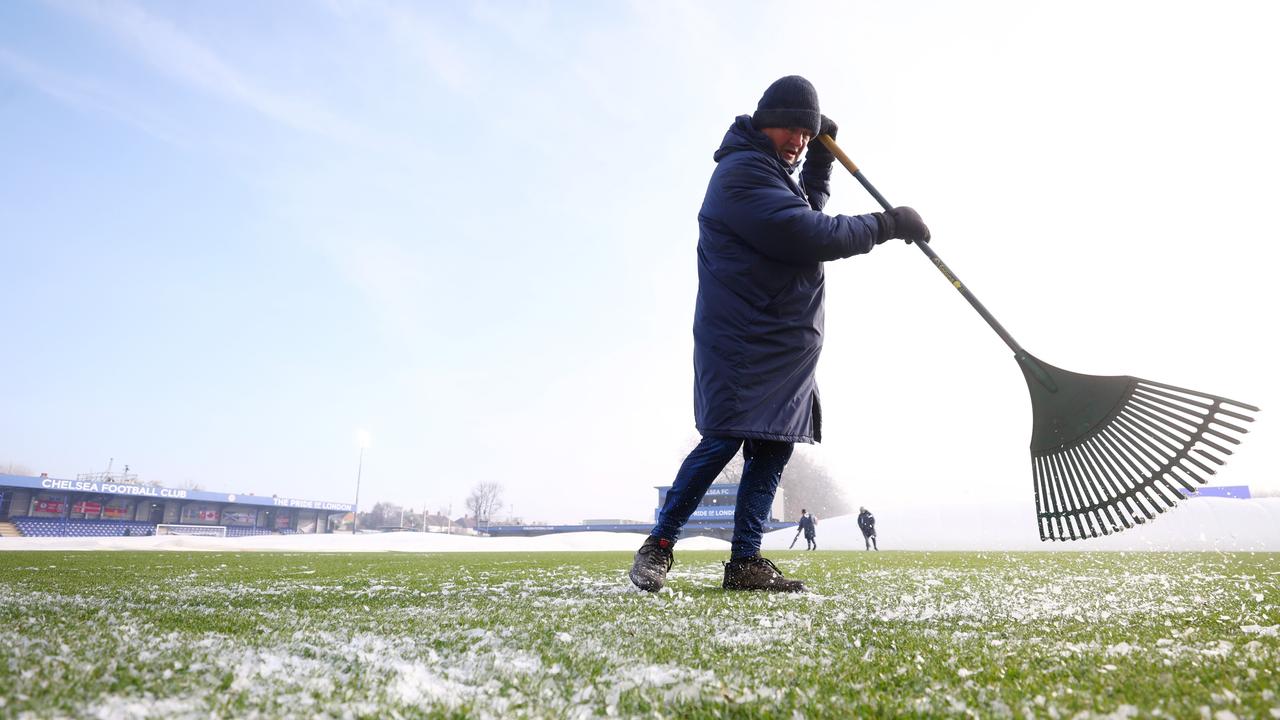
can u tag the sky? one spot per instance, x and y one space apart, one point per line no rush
236 238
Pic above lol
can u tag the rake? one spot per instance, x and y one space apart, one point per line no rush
1107 452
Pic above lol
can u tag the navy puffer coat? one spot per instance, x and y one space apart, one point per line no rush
757 326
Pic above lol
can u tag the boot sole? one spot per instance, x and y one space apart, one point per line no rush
646 585
800 589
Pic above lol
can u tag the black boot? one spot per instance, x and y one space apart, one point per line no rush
653 560
757 573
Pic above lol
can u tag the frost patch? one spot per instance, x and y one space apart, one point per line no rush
679 684
130 708
416 684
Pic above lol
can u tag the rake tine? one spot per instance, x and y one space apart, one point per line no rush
1191 472
1059 501
1079 502
1205 424
1053 518
1153 440
1139 452
1203 468
1084 497
1105 484
1153 491
1042 499
1170 452
1121 489
1212 408
1231 413
1052 502
1063 502
1204 453
1158 424
1085 484
1164 484
1103 490
1134 475
1195 398
1219 398
1091 496
1072 503
1188 472
1155 421
1095 451
1054 499
1209 456
1166 416
1190 416
1229 426
1156 451
1036 481
1190 445
1182 480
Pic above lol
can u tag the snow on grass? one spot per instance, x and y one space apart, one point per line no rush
184 635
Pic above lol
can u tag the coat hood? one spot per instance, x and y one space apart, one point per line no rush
743 136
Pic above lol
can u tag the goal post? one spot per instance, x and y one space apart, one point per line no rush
201 530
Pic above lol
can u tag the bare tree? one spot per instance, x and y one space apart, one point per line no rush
732 473
13 468
187 484
382 515
485 500
808 485
805 484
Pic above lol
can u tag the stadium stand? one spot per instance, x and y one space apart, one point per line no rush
40 527
234 531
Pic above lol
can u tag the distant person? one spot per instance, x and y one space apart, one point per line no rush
758 321
867 523
809 525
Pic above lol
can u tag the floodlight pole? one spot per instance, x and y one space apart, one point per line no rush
355 514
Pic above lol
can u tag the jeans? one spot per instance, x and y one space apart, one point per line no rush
763 462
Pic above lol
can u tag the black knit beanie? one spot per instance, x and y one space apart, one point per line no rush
789 102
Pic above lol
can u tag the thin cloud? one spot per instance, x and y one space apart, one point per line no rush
172 52
86 96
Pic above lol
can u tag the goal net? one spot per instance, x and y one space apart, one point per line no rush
203 530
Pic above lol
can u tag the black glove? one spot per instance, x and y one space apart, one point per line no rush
819 152
902 223
828 127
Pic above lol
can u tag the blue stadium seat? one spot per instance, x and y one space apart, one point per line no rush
42 527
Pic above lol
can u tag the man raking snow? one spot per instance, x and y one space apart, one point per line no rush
758 322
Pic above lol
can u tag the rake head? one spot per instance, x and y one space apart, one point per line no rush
1111 452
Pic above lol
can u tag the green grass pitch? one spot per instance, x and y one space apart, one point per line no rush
274 635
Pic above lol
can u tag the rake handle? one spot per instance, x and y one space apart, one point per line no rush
831 145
